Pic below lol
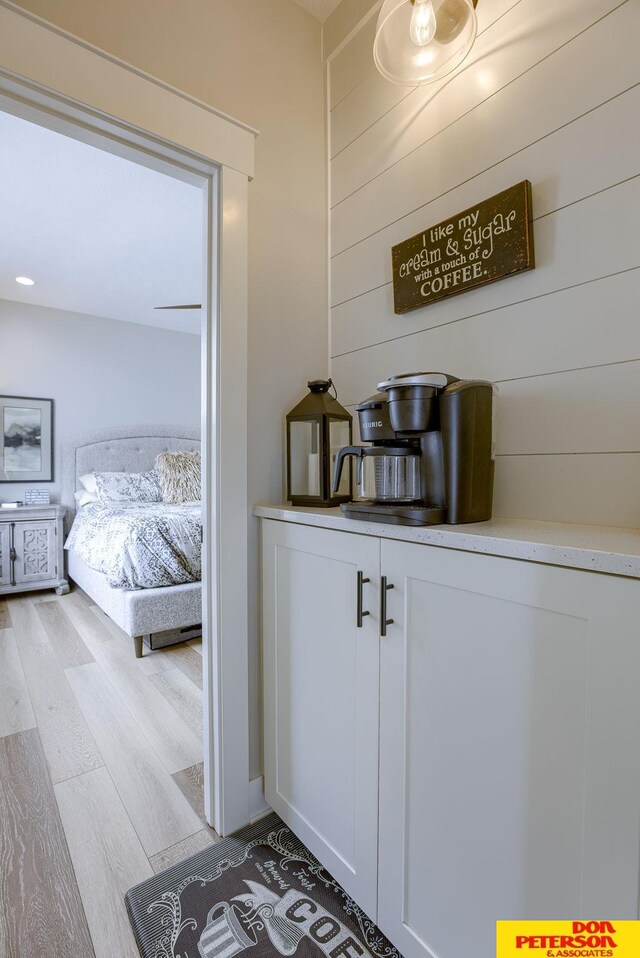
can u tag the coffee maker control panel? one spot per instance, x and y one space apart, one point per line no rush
373 419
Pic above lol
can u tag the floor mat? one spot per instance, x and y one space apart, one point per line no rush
260 892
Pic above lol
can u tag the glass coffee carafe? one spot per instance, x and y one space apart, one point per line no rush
384 473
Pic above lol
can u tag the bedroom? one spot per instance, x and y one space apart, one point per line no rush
96 383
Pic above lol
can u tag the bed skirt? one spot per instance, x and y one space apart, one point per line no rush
140 611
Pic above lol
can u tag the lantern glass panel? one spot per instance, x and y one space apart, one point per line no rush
306 461
339 436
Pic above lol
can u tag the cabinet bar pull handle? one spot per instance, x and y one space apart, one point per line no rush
360 613
13 555
384 621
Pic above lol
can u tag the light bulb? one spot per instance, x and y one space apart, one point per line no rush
423 22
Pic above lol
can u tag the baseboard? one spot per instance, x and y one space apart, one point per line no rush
258 807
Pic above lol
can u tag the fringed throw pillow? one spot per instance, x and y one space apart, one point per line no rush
179 475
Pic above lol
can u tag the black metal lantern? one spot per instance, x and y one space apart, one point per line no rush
317 429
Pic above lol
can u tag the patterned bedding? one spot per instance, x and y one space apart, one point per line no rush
141 545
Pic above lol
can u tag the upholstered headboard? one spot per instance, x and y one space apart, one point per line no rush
125 449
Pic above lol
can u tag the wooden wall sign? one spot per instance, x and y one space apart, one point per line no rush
481 245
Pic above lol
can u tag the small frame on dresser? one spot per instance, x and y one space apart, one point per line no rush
37 497
26 439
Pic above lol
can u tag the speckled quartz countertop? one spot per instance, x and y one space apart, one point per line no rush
596 548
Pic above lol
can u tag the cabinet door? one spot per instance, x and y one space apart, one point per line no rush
5 546
35 544
510 767
321 677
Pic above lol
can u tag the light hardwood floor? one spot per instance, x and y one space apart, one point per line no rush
100 774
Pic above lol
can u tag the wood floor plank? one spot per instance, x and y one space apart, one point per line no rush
107 856
196 645
40 908
182 695
45 596
114 630
185 849
5 618
183 657
66 739
159 811
191 783
150 663
173 740
63 635
83 596
16 713
92 631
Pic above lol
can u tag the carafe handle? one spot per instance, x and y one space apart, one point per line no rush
356 451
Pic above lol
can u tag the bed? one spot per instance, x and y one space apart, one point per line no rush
138 612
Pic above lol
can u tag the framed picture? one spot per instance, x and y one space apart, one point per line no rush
26 439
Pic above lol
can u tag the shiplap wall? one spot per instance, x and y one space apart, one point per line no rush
550 93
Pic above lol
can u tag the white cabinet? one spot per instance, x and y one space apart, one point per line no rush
31 549
321 697
509 758
486 765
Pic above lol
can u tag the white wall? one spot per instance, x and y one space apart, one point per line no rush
262 63
551 94
99 372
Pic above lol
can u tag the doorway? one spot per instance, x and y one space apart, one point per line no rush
59 83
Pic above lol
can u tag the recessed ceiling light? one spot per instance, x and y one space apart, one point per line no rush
25 281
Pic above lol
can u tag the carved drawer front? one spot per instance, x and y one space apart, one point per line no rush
35 551
5 547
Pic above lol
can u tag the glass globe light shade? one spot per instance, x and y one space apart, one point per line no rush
401 59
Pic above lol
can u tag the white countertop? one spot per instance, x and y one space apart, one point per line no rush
596 548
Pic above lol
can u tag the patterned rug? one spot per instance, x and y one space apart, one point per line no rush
260 892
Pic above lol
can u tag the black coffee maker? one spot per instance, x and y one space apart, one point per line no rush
431 455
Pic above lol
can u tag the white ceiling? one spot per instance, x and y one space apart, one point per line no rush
320 9
100 235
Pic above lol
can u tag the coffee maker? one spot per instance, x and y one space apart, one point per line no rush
431 458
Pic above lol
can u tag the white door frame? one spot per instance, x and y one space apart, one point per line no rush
58 81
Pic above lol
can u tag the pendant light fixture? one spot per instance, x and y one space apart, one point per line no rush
419 41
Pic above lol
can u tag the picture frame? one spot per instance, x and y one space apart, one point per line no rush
26 439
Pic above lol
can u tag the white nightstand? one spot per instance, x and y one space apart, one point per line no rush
31 549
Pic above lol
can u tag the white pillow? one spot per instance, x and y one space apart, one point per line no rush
83 498
128 487
88 482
